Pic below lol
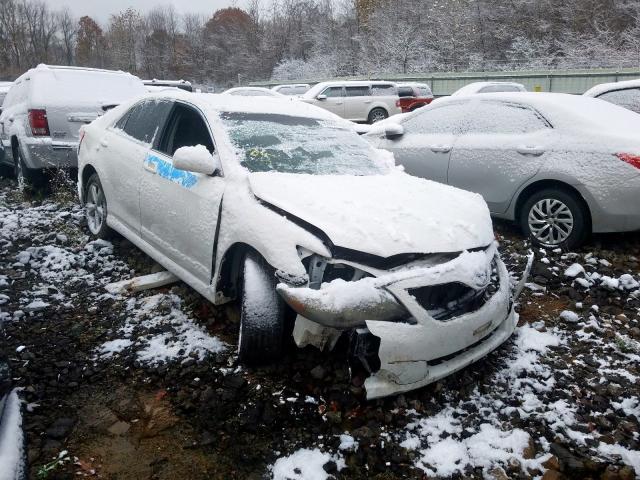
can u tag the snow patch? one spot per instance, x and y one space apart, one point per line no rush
305 464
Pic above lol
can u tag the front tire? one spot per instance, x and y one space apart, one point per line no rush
95 208
377 114
262 315
555 218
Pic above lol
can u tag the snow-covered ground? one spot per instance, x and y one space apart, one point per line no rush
561 396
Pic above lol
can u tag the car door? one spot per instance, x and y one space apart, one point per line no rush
504 146
179 209
356 102
334 101
429 136
123 149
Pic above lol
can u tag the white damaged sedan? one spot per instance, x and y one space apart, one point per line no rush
284 207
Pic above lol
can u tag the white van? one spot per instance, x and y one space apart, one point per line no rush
368 101
45 108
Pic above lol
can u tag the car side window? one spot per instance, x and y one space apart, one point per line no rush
446 119
491 117
384 90
332 92
185 128
405 92
144 120
627 98
362 91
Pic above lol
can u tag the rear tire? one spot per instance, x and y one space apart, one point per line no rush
377 114
262 313
29 179
555 218
95 208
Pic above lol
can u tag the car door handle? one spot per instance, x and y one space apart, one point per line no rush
151 167
440 148
104 143
530 150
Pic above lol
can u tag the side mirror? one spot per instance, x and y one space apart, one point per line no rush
321 97
196 159
393 131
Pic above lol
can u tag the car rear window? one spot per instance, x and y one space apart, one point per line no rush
628 98
405 92
499 88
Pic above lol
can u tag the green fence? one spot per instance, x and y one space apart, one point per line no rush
561 81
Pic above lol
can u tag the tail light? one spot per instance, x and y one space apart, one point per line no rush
633 160
397 103
38 122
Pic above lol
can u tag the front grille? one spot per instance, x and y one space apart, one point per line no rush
450 300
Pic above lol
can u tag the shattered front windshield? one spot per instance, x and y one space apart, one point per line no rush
283 143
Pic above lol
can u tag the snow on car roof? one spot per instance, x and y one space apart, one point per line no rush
475 87
313 91
607 87
230 103
562 110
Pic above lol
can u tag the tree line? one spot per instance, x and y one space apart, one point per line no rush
319 39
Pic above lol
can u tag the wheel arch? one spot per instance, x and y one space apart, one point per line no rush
83 177
539 185
230 271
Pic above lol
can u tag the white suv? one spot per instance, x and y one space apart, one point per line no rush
368 101
45 108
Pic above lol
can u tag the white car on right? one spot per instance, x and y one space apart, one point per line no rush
489 87
625 94
562 166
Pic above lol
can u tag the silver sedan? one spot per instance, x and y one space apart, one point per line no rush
561 166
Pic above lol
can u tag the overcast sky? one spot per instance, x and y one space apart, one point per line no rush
101 9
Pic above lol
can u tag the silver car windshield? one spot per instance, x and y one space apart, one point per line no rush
287 144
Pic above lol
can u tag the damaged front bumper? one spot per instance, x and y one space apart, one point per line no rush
416 324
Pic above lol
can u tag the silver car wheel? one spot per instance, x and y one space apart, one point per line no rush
550 221
376 115
95 208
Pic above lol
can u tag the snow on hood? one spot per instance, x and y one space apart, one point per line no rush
382 215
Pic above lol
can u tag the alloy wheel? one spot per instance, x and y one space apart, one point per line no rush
95 208
377 115
550 221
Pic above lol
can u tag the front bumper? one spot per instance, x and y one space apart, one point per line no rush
423 349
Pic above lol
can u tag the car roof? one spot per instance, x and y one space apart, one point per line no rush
608 87
474 87
571 112
216 102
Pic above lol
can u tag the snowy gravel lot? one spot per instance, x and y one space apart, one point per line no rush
147 385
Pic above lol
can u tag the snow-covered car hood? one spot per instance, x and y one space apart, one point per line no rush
382 215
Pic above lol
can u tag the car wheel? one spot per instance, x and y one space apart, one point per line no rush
555 218
27 178
262 317
95 208
377 114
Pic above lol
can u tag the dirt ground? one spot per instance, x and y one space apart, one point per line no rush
94 412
